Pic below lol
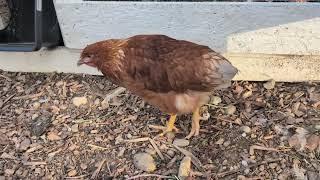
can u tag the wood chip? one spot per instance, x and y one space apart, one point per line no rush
256 147
151 175
34 163
96 172
194 159
154 145
97 147
30 96
136 140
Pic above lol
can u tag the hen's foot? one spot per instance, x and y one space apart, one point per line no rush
170 126
195 126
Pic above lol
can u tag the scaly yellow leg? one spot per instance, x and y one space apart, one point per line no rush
195 126
170 125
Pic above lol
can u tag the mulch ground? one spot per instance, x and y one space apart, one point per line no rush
55 126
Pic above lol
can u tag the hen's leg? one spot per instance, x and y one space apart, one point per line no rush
170 125
195 126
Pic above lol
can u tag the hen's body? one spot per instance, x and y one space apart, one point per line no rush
174 75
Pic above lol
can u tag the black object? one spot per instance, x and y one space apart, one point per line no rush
33 25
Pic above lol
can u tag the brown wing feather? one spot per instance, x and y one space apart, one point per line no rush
162 64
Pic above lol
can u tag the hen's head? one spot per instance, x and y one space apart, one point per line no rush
92 54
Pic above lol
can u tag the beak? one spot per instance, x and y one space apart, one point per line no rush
80 62
83 61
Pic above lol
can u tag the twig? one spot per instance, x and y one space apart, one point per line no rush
223 174
151 175
194 159
211 105
156 127
108 167
76 177
79 121
254 147
97 147
156 148
114 93
30 96
35 163
5 77
226 120
129 118
96 172
136 140
6 100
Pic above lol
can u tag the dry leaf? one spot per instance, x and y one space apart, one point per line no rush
52 136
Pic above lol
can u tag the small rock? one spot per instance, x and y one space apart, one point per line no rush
34 116
181 142
227 143
144 162
52 136
230 109
94 131
244 163
40 124
246 129
104 104
72 173
270 84
72 147
76 153
151 151
215 100
185 167
119 139
273 165
121 151
75 128
129 136
38 171
24 145
78 101
313 142
9 172
97 102
253 136
247 171
238 121
36 105
261 168
220 141
4 140
83 166
297 142
247 94
170 136
170 153
225 162
241 177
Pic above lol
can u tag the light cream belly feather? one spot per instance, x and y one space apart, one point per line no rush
177 103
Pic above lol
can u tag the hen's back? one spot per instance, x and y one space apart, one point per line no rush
163 64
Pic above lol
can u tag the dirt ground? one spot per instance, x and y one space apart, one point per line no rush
55 126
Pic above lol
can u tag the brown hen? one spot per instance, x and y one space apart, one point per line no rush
176 76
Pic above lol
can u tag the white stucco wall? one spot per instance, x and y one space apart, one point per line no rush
264 41
270 28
